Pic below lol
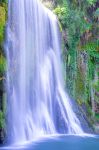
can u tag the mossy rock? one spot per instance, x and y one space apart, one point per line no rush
2 120
2 22
79 101
2 66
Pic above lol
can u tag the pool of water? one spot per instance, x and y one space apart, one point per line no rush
69 142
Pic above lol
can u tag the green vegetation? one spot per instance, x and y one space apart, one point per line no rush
2 120
3 16
79 21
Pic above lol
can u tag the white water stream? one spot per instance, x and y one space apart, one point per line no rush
37 102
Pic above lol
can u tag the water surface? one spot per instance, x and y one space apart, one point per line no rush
69 142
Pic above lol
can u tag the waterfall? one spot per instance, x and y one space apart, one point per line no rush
37 102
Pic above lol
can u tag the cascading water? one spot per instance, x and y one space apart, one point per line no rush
37 102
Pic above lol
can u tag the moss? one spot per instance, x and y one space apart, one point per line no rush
79 101
91 2
3 16
2 120
79 86
2 22
2 65
62 13
96 85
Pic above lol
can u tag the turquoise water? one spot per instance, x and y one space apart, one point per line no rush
60 143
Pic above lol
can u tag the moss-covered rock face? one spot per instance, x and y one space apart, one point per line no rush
2 22
3 14
2 66
2 121
79 21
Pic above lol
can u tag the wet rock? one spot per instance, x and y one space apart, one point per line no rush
2 136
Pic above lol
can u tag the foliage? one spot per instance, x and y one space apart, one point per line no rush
91 2
3 15
79 21
93 49
3 9
2 65
2 120
2 22
96 85
96 14
62 13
